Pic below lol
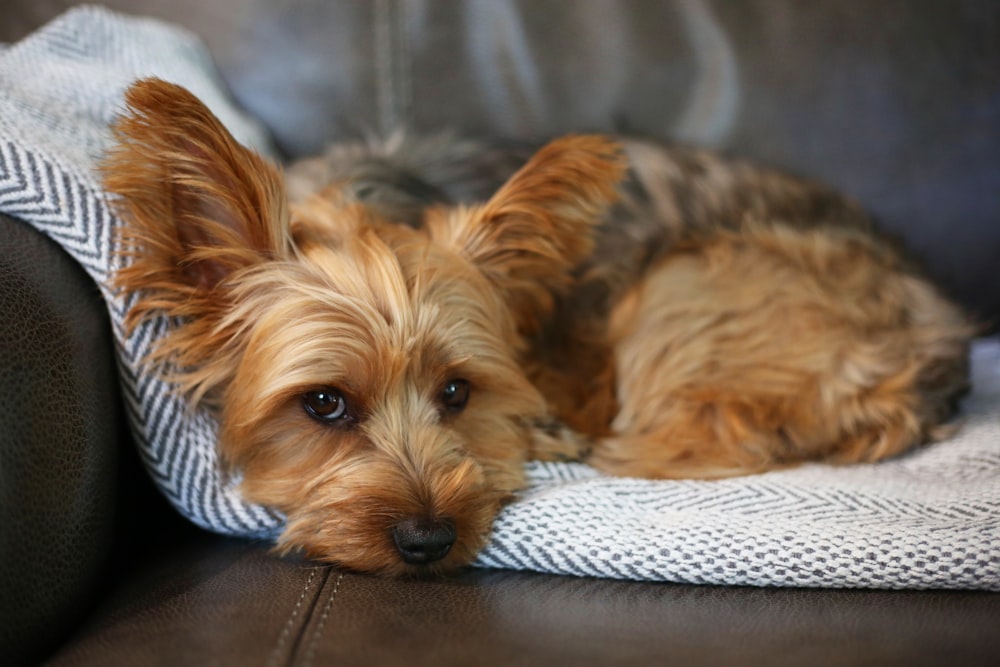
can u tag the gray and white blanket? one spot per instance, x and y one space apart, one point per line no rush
930 519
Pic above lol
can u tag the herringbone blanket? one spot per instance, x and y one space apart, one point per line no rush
930 519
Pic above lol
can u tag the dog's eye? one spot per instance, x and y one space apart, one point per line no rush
327 405
455 395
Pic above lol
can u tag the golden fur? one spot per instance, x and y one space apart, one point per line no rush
382 384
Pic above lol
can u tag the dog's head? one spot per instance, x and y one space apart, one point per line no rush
365 374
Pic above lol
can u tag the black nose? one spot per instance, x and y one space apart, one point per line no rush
420 541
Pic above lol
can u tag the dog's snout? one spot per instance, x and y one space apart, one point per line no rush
422 541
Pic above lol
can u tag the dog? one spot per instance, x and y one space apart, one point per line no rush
383 356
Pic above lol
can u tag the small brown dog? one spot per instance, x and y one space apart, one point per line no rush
382 381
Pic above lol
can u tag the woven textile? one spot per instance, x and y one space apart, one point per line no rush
930 519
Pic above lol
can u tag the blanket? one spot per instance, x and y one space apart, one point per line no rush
929 519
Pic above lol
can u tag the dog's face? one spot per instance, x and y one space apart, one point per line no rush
375 397
365 374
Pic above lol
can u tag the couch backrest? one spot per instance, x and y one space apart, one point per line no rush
896 102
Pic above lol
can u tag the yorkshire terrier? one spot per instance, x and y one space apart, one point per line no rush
382 365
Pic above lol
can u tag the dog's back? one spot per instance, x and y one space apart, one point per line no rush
731 318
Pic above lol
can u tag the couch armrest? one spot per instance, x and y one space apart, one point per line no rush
60 427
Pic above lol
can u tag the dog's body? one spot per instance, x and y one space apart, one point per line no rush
730 319
383 360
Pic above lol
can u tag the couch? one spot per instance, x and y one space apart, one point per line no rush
897 103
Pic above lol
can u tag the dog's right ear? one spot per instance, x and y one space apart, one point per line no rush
197 205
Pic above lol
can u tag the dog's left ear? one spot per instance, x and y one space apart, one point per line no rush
539 225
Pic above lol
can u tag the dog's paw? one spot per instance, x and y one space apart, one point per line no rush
552 440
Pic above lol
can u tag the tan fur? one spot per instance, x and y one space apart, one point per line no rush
772 346
721 320
272 305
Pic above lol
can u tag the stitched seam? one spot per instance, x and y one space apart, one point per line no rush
392 71
311 650
404 78
383 65
286 631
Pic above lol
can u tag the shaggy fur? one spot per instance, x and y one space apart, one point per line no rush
383 358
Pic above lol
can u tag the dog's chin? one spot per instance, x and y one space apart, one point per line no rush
445 568
370 537
381 560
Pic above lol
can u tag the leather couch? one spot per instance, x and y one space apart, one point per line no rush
896 102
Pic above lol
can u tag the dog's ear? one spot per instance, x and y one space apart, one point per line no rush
197 205
539 225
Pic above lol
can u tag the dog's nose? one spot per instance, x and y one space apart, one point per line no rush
421 541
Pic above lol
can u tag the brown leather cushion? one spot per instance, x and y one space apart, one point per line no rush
232 603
